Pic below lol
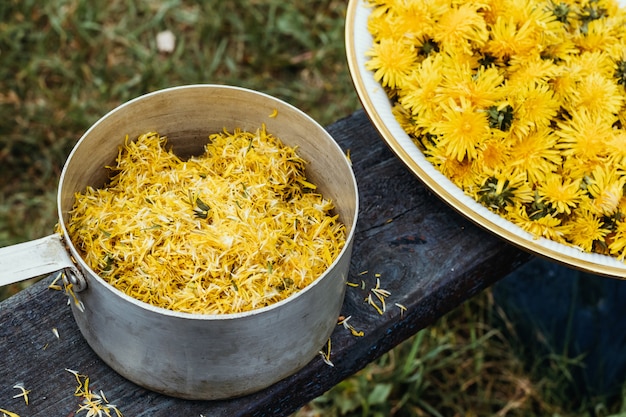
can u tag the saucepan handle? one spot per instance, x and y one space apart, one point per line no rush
38 257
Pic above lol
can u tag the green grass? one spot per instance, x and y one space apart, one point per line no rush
65 63
470 363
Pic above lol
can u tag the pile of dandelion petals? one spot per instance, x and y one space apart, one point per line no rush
520 103
235 229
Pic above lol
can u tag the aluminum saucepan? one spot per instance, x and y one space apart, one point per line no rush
186 355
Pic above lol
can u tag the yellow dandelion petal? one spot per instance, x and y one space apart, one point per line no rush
8 413
24 392
178 239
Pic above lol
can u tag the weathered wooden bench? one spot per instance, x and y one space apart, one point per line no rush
427 256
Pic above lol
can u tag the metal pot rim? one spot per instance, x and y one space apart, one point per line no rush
197 316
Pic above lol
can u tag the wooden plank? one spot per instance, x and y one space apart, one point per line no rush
428 257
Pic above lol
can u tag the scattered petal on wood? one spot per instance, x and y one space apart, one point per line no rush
6 413
23 394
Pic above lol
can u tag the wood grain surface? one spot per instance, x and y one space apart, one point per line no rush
427 256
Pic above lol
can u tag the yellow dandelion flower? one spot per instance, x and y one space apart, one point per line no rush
563 83
463 175
415 18
617 246
391 62
559 50
493 9
562 194
601 96
605 185
503 190
548 226
597 35
583 136
382 25
520 10
459 172
536 155
545 25
419 91
529 71
462 129
535 106
507 39
588 63
406 120
493 154
481 88
577 168
585 230
616 148
462 27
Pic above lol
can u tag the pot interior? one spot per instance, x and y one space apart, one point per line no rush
187 116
